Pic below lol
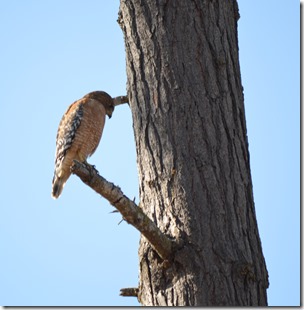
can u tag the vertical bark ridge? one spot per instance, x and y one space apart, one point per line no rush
187 103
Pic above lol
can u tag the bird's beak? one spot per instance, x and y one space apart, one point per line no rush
110 112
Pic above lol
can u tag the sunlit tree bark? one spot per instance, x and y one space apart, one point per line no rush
186 97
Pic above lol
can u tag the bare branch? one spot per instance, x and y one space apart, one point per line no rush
132 213
120 100
129 292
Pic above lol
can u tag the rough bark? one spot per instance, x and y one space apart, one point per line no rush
128 209
186 97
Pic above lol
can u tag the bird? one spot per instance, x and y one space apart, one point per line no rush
79 133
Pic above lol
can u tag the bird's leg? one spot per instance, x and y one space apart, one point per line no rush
91 168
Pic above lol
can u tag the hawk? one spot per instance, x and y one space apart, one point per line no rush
79 134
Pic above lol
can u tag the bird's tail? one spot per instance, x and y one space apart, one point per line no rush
58 184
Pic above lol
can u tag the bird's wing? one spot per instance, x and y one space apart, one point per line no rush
68 126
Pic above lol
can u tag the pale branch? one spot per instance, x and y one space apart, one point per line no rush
120 100
132 213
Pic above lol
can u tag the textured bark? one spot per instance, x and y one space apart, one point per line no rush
128 209
186 97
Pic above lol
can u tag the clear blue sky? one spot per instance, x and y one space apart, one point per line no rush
72 252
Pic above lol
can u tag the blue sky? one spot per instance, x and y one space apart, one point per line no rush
72 252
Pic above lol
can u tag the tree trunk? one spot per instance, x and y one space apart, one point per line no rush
187 103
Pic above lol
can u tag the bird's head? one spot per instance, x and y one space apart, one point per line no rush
104 98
